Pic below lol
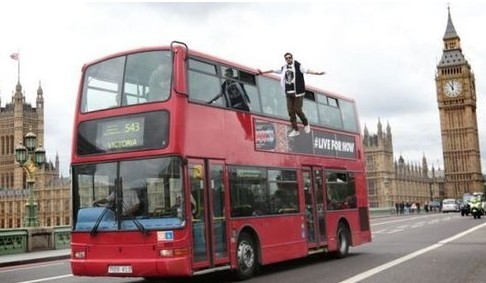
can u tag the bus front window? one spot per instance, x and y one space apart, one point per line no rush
147 190
127 80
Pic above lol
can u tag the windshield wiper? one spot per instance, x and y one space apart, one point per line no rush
137 223
98 221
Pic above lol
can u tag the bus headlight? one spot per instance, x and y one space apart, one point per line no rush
79 254
174 252
166 253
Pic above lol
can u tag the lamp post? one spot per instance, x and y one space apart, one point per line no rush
30 158
388 199
430 190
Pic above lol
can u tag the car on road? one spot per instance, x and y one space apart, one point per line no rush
449 205
434 206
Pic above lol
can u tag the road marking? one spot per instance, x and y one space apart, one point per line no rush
47 279
378 232
405 258
395 231
401 218
418 224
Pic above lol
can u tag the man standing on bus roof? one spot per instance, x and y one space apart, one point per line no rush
293 85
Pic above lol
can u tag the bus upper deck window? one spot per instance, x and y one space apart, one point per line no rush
127 80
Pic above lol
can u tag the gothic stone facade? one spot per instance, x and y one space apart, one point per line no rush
393 181
51 191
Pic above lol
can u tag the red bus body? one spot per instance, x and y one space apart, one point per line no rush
205 137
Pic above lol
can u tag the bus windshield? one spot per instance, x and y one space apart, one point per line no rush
119 195
127 80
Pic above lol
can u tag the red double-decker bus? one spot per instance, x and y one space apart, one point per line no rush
182 165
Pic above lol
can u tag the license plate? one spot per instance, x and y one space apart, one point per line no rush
120 269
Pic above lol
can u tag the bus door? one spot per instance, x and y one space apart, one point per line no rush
314 207
207 195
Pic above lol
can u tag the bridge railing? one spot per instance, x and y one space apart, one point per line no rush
381 211
23 240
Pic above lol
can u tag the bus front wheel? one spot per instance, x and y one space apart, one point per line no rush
246 257
342 241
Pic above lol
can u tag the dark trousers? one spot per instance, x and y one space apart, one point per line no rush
294 107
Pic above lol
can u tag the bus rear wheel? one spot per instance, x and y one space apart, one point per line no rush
342 241
246 257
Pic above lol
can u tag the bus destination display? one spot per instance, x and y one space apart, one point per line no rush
120 134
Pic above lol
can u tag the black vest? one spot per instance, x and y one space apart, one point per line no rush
299 78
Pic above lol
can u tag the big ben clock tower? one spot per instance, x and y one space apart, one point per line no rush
456 97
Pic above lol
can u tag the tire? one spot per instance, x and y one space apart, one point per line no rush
246 257
343 240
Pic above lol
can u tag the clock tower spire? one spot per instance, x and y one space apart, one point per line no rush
456 98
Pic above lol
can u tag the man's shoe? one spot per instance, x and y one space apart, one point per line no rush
307 129
293 133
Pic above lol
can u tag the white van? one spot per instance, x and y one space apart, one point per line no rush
449 205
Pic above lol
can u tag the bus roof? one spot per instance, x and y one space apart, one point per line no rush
207 56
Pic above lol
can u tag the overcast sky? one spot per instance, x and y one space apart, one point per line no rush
383 54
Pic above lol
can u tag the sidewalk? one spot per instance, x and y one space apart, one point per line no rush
33 257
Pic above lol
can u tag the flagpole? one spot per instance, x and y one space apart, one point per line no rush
18 66
16 57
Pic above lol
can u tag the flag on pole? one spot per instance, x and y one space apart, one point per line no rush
15 56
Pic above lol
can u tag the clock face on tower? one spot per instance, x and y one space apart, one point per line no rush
452 88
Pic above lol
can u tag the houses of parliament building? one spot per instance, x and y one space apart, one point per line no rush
391 180
51 191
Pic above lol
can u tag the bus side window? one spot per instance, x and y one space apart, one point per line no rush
283 191
330 116
254 101
203 81
310 107
247 191
273 100
247 78
238 90
203 87
249 81
341 191
349 115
